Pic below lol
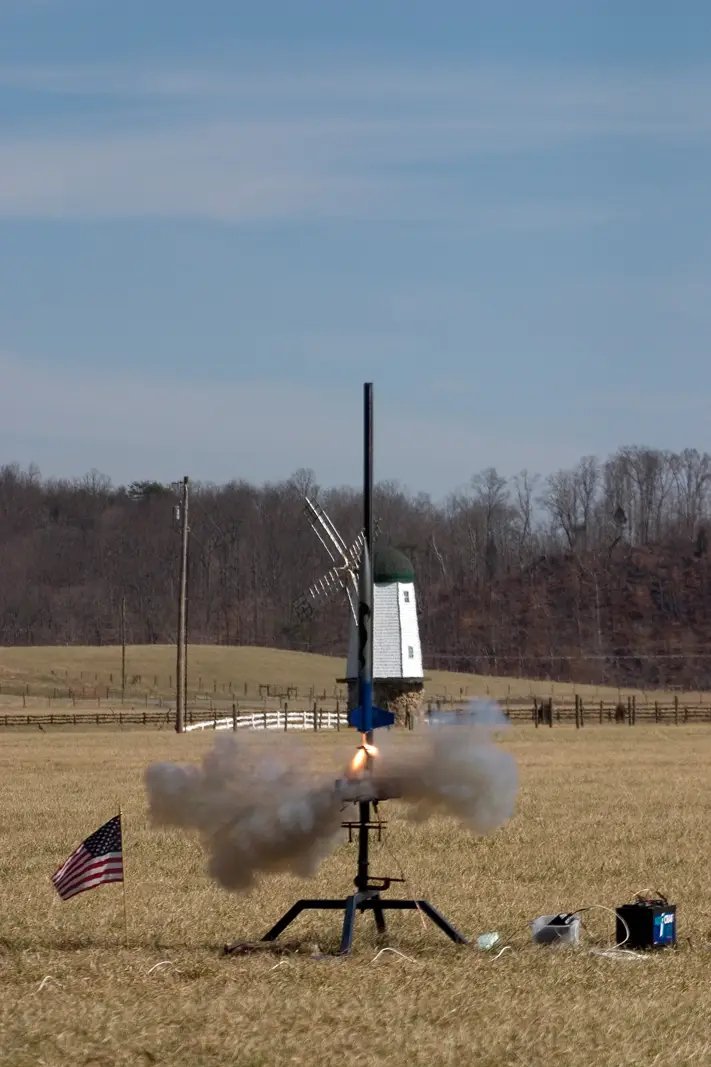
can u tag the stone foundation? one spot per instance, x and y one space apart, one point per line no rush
404 699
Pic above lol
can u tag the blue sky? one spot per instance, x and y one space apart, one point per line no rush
217 220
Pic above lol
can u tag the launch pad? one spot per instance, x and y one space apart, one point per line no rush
367 896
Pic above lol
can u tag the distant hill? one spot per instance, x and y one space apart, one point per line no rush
233 673
643 617
595 574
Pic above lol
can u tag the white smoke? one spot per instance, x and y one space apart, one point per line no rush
254 812
258 812
455 769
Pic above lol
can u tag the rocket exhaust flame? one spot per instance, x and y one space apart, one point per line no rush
360 760
261 812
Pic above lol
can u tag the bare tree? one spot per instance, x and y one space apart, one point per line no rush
491 494
691 474
304 482
570 497
525 486
649 478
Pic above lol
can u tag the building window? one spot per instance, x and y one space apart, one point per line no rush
406 596
410 652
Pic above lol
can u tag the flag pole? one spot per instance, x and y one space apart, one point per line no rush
123 880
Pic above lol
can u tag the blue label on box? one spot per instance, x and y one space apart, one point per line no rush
665 928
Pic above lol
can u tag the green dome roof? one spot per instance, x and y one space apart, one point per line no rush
391 565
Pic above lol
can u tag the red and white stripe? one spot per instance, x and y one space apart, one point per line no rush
83 871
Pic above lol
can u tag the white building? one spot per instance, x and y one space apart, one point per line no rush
397 654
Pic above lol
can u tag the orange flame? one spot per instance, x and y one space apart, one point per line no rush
360 759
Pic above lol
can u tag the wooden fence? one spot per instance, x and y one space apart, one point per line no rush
331 715
629 711
254 717
154 687
622 712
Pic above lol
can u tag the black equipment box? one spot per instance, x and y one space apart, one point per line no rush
651 923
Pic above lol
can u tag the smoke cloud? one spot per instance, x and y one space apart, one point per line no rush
455 769
255 812
259 811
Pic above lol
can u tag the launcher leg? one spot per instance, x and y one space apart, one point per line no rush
286 920
379 915
439 920
348 924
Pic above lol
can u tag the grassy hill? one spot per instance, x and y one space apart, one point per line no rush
241 671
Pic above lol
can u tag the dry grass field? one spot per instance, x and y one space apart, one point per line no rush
217 668
601 815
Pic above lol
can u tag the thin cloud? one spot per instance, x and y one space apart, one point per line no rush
579 103
228 172
247 171
357 144
236 172
352 144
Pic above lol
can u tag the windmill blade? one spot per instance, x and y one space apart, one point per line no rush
326 532
356 549
331 528
328 584
329 551
318 518
323 589
352 595
341 578
353 554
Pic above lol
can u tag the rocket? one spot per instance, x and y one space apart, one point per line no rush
365 717
365 641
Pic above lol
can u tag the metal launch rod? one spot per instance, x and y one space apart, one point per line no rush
365 616
368 477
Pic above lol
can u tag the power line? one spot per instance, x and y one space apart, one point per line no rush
610 657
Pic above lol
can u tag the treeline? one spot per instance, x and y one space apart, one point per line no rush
597 573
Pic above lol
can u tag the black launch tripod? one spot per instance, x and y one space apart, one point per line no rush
367 895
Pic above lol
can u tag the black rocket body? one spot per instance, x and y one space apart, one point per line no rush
365 641
365 717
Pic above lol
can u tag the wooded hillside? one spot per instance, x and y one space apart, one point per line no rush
599 573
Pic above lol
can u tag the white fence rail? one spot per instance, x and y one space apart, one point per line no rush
276 720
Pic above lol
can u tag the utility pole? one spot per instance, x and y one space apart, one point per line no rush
187 627
181 692
123 649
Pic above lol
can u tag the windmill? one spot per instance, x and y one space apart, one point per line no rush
398 678
342 576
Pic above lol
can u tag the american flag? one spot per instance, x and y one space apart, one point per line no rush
99 859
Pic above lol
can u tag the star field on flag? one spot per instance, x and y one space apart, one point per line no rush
97 860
